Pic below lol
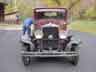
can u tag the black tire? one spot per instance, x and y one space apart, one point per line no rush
26 60
75 60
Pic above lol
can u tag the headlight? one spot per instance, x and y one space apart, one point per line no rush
38 34
62 35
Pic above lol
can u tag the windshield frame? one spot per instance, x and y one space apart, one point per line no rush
59 10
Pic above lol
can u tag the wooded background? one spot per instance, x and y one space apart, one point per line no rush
81 9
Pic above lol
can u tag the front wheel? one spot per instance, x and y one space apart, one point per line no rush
26 60
75 60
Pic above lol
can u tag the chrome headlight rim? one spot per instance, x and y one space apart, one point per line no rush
62 35
38 34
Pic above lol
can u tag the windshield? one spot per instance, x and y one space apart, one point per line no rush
48 15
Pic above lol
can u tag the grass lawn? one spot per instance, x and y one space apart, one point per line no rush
84 26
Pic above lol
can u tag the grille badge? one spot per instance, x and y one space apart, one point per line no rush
50 37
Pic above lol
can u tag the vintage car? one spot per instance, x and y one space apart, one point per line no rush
51 37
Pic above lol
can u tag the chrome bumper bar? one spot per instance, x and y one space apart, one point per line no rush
50 54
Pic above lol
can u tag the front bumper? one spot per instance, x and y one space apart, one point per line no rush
50 54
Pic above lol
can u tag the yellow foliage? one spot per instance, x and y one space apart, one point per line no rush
91 12
49 3
52 3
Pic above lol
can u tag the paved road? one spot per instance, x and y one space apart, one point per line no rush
10 60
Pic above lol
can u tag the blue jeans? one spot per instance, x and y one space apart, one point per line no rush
27 29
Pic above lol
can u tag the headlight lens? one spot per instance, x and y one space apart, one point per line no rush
38 34
62 35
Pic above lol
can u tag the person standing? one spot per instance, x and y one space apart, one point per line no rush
18 18
27 26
